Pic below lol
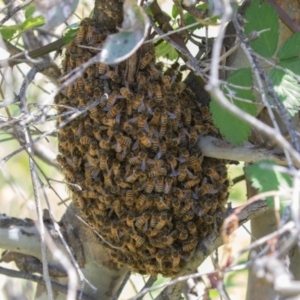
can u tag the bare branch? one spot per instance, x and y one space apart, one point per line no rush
40 280
212 147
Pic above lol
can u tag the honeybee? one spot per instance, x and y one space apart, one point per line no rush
103 160
103 144
191 228
159 258
154 219
79 202
116 205
139 240
183 234
108 121
157 172
168 185
189 215
114 231
121 155
150 185
208 219
142 199
141 221
90 71
155 143
193 136
89 32
129 198
146 60
79 84
207 188
206 115
129 107
213 174
113 76
166 80
190 244
163 122
137 102
144 139
114 111
130 220
191 183
187 116
159 184
97 132
175 258
94 114
194 163
142 122
94 172
112 97
90 194
187 206
125 92
80 33
169 240
116 168
131 247
93 149
156 117
101 68
172 161
134 176
119 182
154 73
61 160
176 205
76 160
85 140
107 180
158 92
162 220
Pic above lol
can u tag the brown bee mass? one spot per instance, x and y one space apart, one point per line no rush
145 186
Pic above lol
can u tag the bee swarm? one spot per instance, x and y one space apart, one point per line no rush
145 187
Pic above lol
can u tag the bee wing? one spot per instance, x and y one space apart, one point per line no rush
133 120
135 145
190 174
142 106
212 192
143 165
174 173
158 155
181 159
118 118
171 115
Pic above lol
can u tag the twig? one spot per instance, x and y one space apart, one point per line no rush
213 147
38 279
62 124
13 11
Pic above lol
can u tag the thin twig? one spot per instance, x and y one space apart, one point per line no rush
38 279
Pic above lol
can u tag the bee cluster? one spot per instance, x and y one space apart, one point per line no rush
145 186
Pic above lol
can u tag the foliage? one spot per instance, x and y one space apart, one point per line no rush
265 178
234 129
12 31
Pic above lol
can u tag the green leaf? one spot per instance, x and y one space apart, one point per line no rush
70 33
32 22
190 19
290 48
174 11
263 16
234 129
164 49
8 32
287 88
29 11
265 179
117 47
